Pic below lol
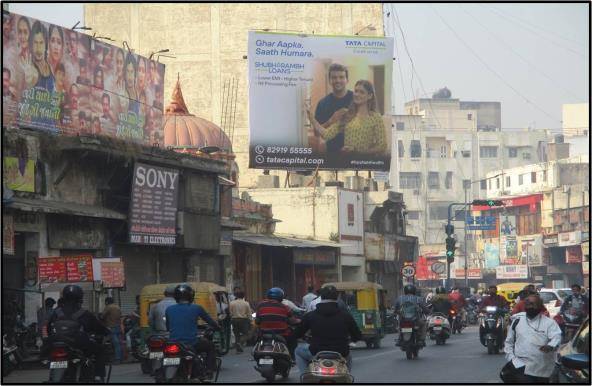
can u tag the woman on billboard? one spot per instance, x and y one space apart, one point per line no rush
56 47
362 125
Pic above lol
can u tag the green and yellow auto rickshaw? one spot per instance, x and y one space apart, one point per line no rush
212 297
366 302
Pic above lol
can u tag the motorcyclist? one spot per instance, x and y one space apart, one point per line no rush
494 300
409 297
576 300
72 310
274 317
440 302
181 322
458 303
157 316
331 328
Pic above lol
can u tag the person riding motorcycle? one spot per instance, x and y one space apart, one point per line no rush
576 300
274 317
330 328
410 297
72 296
458 303
181 322
157 316
494 300
440 302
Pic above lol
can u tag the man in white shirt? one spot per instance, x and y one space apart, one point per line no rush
309 297
530 345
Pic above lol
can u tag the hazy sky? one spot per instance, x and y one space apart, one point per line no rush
527 52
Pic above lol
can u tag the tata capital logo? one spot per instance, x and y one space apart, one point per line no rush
364 43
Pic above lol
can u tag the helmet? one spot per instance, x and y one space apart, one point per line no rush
72 294
169 291
409 289
329 292
275 293
440 290
184 292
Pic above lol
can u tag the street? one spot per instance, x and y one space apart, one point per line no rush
462 359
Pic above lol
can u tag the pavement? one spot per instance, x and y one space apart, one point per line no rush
461 359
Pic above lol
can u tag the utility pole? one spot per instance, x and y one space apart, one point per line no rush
465 245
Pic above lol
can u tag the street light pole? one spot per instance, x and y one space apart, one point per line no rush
465 245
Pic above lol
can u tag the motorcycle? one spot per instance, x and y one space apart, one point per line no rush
409 331
11 357
272 356
27 339
492 329
327 367
151 354
438 328
455 321
182 364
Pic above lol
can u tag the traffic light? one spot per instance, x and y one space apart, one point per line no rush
488 202
449 229
450 247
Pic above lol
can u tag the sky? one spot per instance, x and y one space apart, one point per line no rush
530 57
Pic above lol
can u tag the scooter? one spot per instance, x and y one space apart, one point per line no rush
492 329
327 367
10 355
272 356
438 328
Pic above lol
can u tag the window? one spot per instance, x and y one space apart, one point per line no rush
512 152
497 183
438 211
508 181
466 184
443 152
413 215
521 179
483 184
488 151
470 117
415 149
466 153
525 155
409 180
533 177
544 176
401 148
400 126
448 181
434 180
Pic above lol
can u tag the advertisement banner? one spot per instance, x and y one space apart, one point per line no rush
473 273
509 251
79 268
19 174
531 250
569 238
153 209
511 272
113 275
507 225
51 270
430 268
491 254
62 81
302 109
573 255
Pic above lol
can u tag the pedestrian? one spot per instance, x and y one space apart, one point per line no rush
112 319
235 290
241 316
309 297
530 345
43 314
576 300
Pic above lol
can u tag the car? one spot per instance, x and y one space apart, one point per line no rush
554 298
572 360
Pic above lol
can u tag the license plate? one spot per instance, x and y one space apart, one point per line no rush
406 330
58 365
171 361
156 355
266 361
437 328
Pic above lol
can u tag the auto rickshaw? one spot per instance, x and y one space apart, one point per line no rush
366 302
212 297
510 290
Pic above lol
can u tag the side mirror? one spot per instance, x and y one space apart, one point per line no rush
576 361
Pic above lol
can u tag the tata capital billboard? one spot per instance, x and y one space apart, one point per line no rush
61 81
319 101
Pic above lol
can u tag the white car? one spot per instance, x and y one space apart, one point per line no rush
554 298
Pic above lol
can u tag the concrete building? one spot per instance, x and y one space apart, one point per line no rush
575 119
209 42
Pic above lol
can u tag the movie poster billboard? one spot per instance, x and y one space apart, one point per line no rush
318 101
65 82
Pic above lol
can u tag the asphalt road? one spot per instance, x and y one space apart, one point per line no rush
462 359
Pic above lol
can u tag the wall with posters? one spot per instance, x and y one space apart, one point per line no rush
293 114
63 81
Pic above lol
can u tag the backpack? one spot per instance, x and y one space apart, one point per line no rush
68 327
410 311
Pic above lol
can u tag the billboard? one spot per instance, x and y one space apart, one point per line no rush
65 82
318 101
511 272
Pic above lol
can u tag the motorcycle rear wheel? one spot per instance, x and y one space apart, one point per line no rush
490 347
409 353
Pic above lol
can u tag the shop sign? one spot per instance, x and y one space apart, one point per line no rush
480 223
550 240
64 269
511 272
51 270
509 251
153 209
113 275
569 238
7 234
79 268
325 258
310 257
531 250
573 255
19 174
473 273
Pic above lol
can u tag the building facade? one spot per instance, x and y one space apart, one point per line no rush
576 119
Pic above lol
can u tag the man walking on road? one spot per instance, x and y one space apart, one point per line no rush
241 314
112 320
530 345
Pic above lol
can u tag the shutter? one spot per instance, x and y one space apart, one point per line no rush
140 267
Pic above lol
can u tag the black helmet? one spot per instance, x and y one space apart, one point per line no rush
72 294
329 292
184 292
409 289
275 293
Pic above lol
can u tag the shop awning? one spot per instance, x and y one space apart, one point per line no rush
276 241
68 208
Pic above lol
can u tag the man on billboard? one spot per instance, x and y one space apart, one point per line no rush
330 109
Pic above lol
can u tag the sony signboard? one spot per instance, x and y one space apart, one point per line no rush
302 109
153 209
